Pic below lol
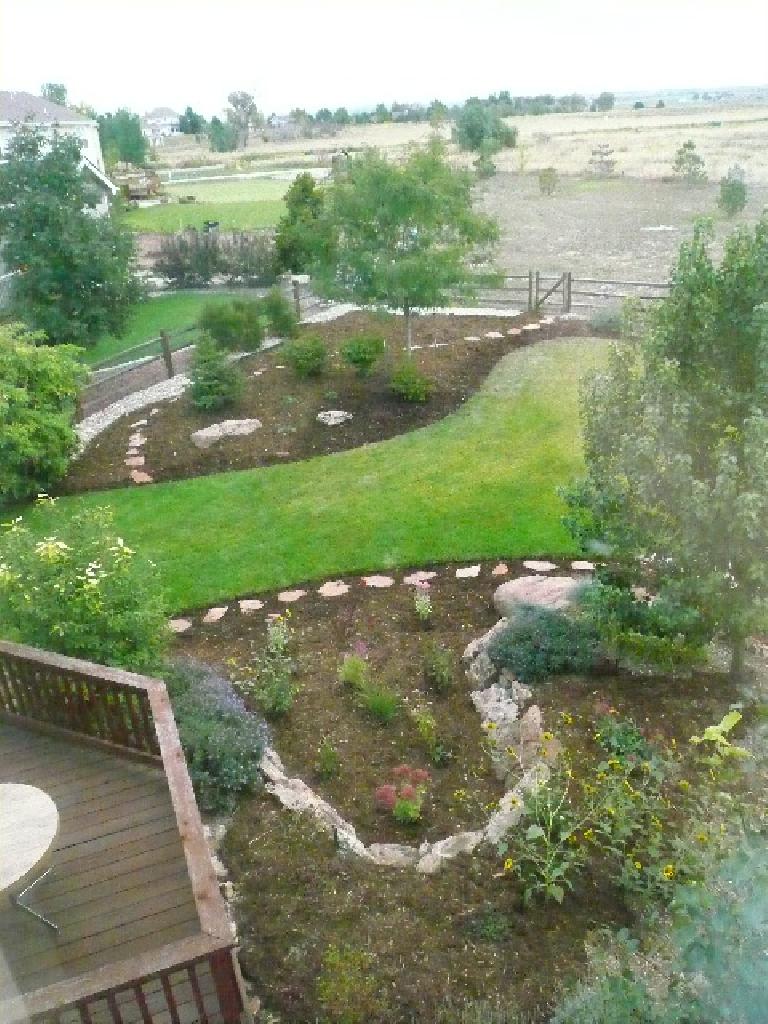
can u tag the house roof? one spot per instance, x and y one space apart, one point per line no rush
161 112
20 106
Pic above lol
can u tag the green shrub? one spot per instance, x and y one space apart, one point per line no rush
689 165
348 988
733 192
280 314
222 741
381 703
268 679
188 260
328 762
235 326
353 672
306 356
39 386
438 668
539 642
216 382
410 384
616 999
248 258
362 352
82 591
548 181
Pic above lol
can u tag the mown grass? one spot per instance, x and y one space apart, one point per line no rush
231 190
478 484
238 204
164 313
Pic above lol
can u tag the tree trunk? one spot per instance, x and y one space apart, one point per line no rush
408 328
736 670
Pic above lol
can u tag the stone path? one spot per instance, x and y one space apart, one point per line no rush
336 588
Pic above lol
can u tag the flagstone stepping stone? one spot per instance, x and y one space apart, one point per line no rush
137 440
583 566
139 423
494 334
180 625
333 417
420 576
378 582
281 367
415 348
133 453
140 477
472 337
227 428
154 412
468 572
500 570
513 332
555 592
135 460
283 455
532 327
438 344
547 321
333 588
535 566
257 373
250 605
215 614
289 596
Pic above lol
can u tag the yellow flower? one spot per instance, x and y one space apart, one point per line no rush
490 726
547 736
508 864
669 871
589 834
565 718
703 837
638 865
684 784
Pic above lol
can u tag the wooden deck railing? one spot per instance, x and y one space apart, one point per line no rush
129 715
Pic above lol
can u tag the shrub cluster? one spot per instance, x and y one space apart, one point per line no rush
539 642
280 314
409 384
363 352
236 325
733 192
222 741
216 382
82 591
192 259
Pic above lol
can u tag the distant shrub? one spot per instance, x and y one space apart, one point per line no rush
409 384
689 165
484 164
236 325
328 763
548 181
306 356
216 382
733 192
80 590
280 314
248 258
188 260
348 987
222 741
539 642
606 320
362 352
381 703
353 672
268 678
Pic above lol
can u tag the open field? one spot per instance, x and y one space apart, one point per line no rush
479 483
616 228
233 190
232 216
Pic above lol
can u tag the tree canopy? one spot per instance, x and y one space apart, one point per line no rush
676 443
55 92
293 238
122 139
242 115
75 280
398 235
191 123
479 128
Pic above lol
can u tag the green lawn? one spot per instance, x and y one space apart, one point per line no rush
239 204
478 484
165 313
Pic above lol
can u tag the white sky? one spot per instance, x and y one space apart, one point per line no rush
355 53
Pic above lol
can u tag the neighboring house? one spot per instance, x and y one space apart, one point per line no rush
159 124
22 107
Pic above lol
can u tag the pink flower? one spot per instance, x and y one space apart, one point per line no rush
385 797
401 772
419 776
421 585
360 648
408 792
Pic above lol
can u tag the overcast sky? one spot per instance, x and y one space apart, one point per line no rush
312 53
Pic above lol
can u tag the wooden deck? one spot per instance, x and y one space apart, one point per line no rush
120 885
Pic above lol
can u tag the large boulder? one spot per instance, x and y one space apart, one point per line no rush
555 592
227 428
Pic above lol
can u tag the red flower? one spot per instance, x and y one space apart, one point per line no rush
419 776
408 792
402 771
385 797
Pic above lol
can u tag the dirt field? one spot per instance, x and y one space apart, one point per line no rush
602 228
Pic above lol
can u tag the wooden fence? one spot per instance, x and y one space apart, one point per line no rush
535 291
194 978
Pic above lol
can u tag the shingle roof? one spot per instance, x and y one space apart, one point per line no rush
164 112
18 106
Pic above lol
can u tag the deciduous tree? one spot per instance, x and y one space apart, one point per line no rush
55 92
242 115
122 138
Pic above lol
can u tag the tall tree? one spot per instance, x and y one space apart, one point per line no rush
191 123
55 92
75 279
222 136
398 235
242 115
293 238
605 101
676 443
122 139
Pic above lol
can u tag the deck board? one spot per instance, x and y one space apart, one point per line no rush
120 885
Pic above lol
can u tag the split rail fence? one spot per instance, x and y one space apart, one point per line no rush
536 291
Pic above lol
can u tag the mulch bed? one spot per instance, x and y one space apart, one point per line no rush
287 406
463 932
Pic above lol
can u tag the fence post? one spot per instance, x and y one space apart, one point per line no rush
530 291
538 288
165 345
297 298
570 290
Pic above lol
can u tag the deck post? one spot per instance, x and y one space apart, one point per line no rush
530 291
297 298
165 345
